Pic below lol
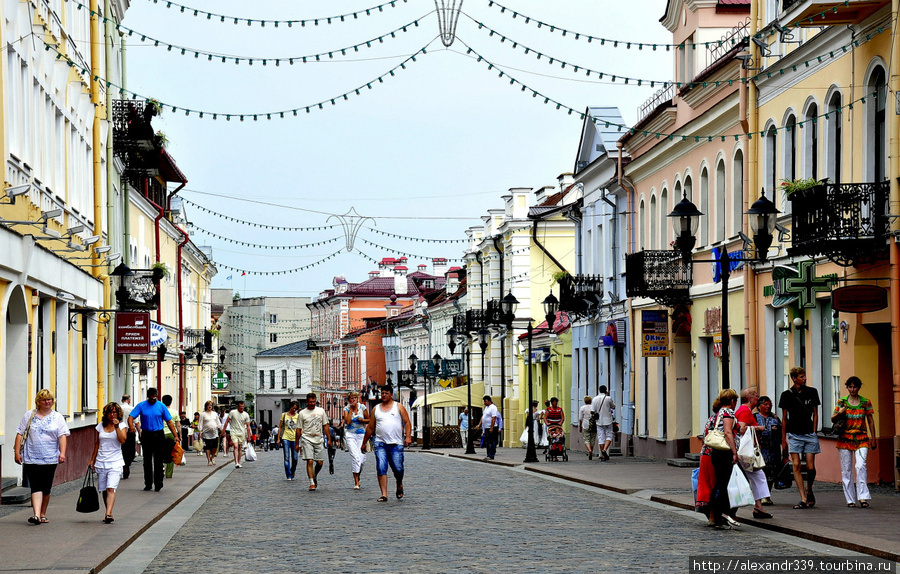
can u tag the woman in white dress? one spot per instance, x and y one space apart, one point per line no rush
540 433
356 417
107 459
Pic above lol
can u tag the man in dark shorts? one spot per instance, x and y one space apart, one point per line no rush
800 418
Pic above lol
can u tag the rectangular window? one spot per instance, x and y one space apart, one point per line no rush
284 378
262 379
272 379
273 318
298 379
273 337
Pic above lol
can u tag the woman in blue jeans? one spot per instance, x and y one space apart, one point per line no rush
287 429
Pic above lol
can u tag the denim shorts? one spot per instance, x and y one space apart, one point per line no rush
386 454
803 443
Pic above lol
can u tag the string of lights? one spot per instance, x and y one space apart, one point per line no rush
262 22
417 239
283 272
625 128
389 250
254 116
253 223
197 52
641 45
264 246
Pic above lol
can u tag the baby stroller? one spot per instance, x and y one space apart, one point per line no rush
557 448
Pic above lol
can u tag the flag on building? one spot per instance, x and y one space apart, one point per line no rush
228 278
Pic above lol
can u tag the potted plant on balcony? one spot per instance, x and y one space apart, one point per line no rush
161 140
804 187
160 270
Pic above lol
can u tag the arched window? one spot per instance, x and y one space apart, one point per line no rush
688 188
720 202
642 235
771 162
811 142
664 210
876 121
833 137
703 238
654 228
789 168
737 195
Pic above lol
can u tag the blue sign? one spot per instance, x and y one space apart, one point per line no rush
733 266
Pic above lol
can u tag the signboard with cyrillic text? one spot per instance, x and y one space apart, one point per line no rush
655 333
132 335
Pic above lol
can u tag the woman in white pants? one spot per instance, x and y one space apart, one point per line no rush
356 417
857 438
756 478
107 459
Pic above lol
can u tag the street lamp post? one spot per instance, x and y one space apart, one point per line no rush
685 221
413 363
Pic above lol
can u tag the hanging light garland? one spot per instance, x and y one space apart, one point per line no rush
284 272
253 223
641 45
632 131
264 246
217 56
263 22
389 250
254 116
417 239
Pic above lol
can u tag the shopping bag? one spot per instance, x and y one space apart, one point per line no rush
88 499
177 454
748 453
250 453
739 493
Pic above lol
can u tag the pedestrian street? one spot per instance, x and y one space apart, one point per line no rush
456 516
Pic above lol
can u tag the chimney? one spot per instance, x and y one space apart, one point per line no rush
565 180
452 280
542 193
400 285
422 268
384 267
439 264
373 274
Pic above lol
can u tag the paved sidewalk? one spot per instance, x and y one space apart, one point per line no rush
874 531
91 544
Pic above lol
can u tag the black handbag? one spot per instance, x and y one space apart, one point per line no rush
88 498
785 476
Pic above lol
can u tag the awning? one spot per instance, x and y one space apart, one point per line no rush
456 397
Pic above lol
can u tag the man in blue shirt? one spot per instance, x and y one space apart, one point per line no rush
153 415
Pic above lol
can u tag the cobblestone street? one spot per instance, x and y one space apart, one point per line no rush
456 516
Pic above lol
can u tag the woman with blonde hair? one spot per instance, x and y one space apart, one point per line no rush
40 446
107 459
210 426
356 417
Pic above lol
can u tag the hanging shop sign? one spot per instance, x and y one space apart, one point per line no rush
859 299
732 266
132 335
220 381
655 333
805 285
158 334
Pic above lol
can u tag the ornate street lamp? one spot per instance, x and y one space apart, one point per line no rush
413 363
686 219
223 351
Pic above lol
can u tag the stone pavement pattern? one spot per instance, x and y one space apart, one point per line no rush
457 516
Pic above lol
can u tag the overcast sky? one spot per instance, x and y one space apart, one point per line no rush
425 153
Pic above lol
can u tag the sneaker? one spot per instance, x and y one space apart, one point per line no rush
312 487
238 466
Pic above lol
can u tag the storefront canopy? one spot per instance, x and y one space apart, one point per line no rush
456 397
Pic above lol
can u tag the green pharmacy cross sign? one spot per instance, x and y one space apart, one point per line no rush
806 284
220 381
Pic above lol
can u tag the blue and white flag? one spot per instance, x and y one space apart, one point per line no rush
228 278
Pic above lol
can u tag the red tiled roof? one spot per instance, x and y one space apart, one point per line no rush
561 323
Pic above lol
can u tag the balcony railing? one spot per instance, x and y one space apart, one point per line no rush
580 295
660 275
661 96
846 222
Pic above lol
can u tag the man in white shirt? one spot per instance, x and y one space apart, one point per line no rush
603 405
312 433
239 424
490 424
588 427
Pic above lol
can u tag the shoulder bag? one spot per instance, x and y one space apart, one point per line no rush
840 425
88 499
715 439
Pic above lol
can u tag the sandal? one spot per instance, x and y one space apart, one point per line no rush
382 499
864 504
810 499
761 514
801 505
34 520
851 505
399 491
45 520
109 518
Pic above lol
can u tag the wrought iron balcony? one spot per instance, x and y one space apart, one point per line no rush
580 295
661 275
846 222
131 125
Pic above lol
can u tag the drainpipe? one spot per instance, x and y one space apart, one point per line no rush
544 249
110 206
895 257
500 253
156 221
750 120
97 157
628 301
178 274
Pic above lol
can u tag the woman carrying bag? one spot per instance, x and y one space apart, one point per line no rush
854 414
107 459
41 445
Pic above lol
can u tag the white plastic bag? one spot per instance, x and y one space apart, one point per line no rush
739 493
748 453
250 453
